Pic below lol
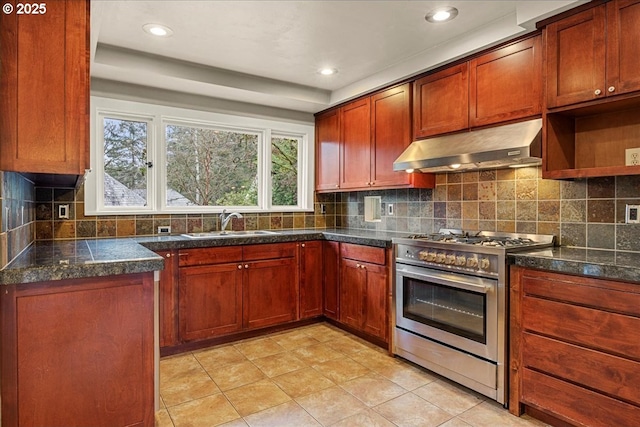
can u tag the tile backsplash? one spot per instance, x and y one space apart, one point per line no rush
17 215
48 226
582 213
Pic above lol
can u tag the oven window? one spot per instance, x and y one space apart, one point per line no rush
457 311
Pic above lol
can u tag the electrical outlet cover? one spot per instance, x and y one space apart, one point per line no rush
632 157
632 214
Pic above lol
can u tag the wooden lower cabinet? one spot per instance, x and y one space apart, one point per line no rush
311 270
210 300
575 348
331 279
229 289
364 284
79 352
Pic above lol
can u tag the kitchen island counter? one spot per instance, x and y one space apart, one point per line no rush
603 264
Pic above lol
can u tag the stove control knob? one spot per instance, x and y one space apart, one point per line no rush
431 256
451 259
484 263
472 262
423 256
461 260
440 258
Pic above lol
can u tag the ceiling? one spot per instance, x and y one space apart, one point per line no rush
269 52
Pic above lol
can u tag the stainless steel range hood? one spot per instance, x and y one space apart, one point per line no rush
508 145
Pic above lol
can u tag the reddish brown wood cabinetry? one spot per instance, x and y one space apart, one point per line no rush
575 348
373 132
355 145
441 102
270 284
311 295
506 84
328 150
364 285
210 298
223 290
331 279
44 89
79 352
168 299
594 54
593 58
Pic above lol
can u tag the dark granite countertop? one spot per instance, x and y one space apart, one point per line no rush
71 259
615 265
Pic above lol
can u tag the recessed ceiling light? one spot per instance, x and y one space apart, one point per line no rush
327 71
441 14
158 30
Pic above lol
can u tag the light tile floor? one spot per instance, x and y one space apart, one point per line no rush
316 375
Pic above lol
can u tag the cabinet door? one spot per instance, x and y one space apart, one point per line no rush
310 279
44 89
328 150
376 296
168 299
441 102
78 352
575 56
355 131
353 279
210 301
506 84
623 46
270 292
391 127
331 278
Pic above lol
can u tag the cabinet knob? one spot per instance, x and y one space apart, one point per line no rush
246 266
612 88
598 92
337 185
239 267
363 267
302 245
357 265
168 255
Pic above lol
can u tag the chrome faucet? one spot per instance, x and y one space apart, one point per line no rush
224 219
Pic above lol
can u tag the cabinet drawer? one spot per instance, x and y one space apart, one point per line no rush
611 375
596 293
576 404
269 251
363 253
610 332
203 256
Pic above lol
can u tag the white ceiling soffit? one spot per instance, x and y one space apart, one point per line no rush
269 52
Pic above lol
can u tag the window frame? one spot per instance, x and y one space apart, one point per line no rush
158 116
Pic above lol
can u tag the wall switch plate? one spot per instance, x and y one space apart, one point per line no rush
390 209
632 157
631 214
164 229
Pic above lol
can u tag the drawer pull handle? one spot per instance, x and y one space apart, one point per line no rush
597 92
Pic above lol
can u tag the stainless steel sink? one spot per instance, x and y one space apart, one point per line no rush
216 234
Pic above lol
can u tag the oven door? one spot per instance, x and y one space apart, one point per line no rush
454 309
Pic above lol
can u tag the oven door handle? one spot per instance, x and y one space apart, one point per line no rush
473 284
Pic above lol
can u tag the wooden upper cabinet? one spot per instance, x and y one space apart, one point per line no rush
355 129
44 89
623 46
328 150
441 102
575 57
506 84
594 54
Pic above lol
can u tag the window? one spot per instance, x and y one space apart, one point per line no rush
158 159
125 162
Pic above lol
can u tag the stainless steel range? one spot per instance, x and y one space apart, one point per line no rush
450 304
